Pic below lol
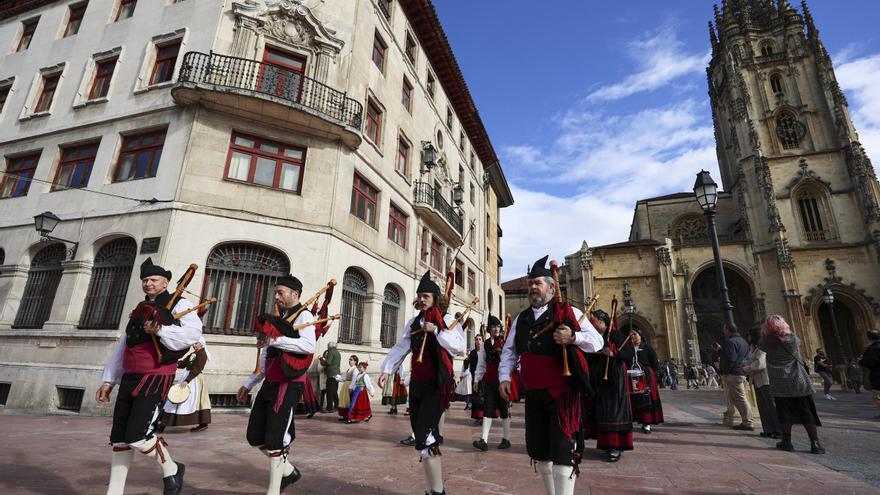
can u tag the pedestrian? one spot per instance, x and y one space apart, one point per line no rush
825 369
488 377
473 359
713 376
734 350
673 374
755 366
345 387
871 359
196 409
789 383
331 361
394 393
854 376
690 374
662 375
361 391
647 408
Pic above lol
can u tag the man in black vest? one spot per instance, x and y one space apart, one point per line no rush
286 356
553 413
487 375
143 366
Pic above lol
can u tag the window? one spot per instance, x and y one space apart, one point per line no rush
28 28
4 95
390 316
126 9
242 277
449 118
814 213
766 49
436 255
69 399
424 248
265 163
109 284
47 93
429 85
103 75
402 165
473 193
385 7
410 48
379 48
461 140
75 166
74 19
459 273
789 130
374 122
39 290
472 239
397 222
139 157
439 139
473 161
166 59
471 282
363 200
354 295
776 83
282 74
406 95
19 172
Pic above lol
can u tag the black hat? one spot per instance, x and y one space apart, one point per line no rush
493 321
148 269
290 282
603 316
427 285
539 269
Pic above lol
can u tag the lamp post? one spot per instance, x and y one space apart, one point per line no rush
706 191
628 307
828 298
45 223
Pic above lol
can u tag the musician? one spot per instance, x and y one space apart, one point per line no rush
431 378
144 378
552 402
286 355
649 410
487 375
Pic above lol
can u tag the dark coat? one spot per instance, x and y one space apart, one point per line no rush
734 351
871 360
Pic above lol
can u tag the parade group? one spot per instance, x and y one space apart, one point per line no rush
579 375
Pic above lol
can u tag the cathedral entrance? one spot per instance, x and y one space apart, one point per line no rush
707 306
639 323
851 327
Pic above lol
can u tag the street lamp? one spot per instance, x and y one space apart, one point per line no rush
457 194
45 223
706 191
429 155
828 298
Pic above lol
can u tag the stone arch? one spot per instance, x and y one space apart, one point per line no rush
854 315
356 288
689 229
706 298
777 83
811 205
767 48
393 308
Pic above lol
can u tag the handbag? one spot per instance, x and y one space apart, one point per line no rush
803 363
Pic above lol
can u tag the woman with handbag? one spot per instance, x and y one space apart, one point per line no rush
790 383
647 409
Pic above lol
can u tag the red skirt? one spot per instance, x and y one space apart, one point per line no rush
309 399
360 407
650 412
515 386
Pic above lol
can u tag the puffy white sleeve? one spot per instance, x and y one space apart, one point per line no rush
305 344
113 367
354 379
368 384
481 365
588 339
508 354
398 353
256 378
452 339
180 337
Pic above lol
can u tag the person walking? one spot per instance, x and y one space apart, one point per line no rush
871 359
854 376
789 383
734 351
331 360
713 376
673 374
196 409
825 369
755 366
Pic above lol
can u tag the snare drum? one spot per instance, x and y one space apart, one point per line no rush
637 381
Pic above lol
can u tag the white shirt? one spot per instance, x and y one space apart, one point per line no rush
480 371
451 339
305 344
588 339
174 337
367 383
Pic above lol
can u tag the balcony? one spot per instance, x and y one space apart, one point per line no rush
269 94
437 212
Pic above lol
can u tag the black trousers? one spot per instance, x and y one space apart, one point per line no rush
424 407
274 430
135 418
493 405
332 388
544 438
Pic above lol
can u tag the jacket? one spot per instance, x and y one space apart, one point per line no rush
734 351
755 366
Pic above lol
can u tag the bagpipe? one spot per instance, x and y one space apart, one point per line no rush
435 315
572 357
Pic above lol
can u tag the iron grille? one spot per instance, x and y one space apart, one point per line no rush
70 399
228 401
354 293
241 277
110 277
250 75
390 312
4 392
39 291
426 194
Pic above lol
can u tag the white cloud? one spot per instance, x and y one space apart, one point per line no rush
858 77
659 59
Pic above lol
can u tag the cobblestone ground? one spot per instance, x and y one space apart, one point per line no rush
692 453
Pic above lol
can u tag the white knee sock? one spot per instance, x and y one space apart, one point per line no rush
563 481
505 424
427 469
152 448
119 464
434 471
545 469
276 472
487 425
442 424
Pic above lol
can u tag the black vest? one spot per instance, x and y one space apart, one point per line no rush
274 351
493 355
135 334
526 326
415 341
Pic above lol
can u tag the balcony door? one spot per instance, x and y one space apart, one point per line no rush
282 74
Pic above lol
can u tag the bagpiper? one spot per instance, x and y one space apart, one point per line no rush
487 375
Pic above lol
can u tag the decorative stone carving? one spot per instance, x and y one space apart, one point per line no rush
783 254
690 229
805 174
586 256
862 172
765 183
664 257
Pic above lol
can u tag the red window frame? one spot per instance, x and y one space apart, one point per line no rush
374 122
397 226
124 8
166 59
103 75
406 95
74 19
472 281
23 167
364 200
378 55
47 93
75 166
273 56
459 273
403 148
28 28
410 48
436 255
145 151
256 152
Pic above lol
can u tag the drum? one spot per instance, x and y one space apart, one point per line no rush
179 393
637 380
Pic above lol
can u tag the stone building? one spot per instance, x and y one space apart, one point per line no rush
330 139
799 212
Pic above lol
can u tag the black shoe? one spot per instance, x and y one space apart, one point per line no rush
368 418
614 455
776 436
311 415
408 441
816 447
478 422
291 478
505 444
646 428
481 445
174 484
785 445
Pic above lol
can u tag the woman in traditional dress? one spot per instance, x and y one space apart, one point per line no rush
647 408
361 392
196 409
344 385
394 393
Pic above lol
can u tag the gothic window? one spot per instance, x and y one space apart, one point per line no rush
790 130
39 290
109 285
690 230
242 278
354 296
390 316
814 210
776 84
766 49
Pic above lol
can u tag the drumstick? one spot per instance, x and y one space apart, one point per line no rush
207 302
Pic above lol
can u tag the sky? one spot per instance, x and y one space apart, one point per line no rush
593 105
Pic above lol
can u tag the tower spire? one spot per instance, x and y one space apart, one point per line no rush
712 37
812 32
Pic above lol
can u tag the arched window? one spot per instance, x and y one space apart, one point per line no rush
789 130
354 294
110 277
390 316
690 230
42 283
242 277
776 83
812 205
767 49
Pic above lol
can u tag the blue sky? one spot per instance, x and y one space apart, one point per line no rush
594 105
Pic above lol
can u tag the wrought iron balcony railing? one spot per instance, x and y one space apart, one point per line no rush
425 194
268 79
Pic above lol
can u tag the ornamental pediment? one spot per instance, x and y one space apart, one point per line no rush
290 22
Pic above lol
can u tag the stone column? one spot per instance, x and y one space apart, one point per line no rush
323 59
372 329
70 296
244 40
12 281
